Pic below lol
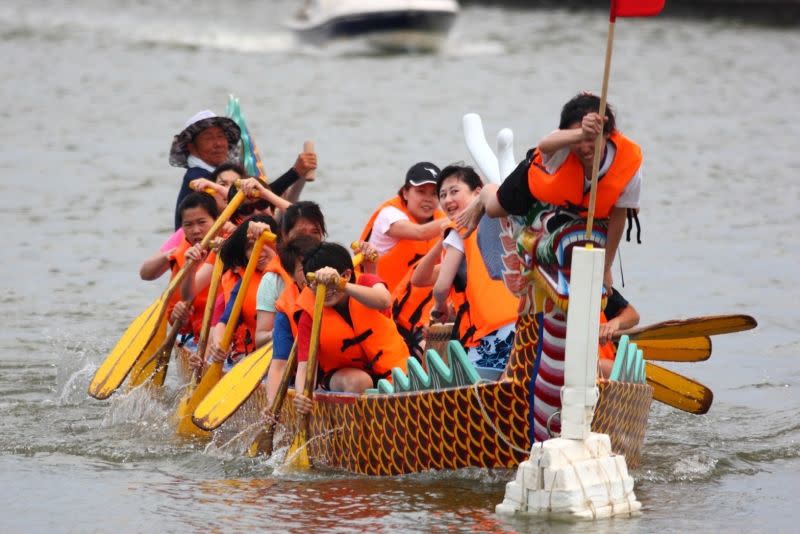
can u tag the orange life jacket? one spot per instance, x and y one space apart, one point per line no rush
244 337
609 350
287 303
396 262
371 343
487 304
565 187
411 305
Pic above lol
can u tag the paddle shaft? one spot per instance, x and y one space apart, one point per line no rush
313 349
252 263
263 443
693 327
202 343
598 143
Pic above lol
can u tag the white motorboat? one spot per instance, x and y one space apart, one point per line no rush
405 25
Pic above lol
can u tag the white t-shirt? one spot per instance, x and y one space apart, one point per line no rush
454 240
386 218
629 198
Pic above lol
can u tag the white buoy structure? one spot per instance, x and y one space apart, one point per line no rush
576 475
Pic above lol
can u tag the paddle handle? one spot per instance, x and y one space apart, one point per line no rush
311 175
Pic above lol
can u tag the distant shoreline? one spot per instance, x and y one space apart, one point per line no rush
770 12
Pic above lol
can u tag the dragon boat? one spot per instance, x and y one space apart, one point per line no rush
443 414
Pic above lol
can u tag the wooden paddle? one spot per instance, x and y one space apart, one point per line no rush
694 327
153 369
183 417
213 374
297 455
143 329
688 349
677 390
233 389
144 367
263 442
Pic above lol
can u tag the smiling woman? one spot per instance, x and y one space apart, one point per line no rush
403 229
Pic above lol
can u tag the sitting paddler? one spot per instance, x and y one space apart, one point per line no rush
619 314
359 343
284 325
235 252
403 229
558 171
208 140
482 309
197 213
301 218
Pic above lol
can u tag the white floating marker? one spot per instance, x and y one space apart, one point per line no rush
576 475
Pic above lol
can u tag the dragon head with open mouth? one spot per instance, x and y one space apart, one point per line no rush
538 248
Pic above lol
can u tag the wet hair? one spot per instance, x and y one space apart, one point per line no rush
327 254
228 166
304 209
581 104
234 249
464 173
198 199
296 249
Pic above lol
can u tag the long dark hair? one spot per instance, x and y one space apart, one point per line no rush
234 249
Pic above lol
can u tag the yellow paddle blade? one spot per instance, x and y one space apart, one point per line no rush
262 444
210 379
183 415
694 327
145 366
233 390
690 349
118 363
297 455
678 391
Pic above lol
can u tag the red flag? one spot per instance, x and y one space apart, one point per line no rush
635 8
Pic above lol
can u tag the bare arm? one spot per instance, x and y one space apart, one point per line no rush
156 265
558 139
444 281
627 318
193 285
426 271
376 297
265 321
591 127
406 229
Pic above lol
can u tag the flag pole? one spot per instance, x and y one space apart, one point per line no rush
599 141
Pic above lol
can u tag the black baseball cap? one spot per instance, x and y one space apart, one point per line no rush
422 173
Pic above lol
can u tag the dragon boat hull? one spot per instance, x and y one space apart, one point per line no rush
484 425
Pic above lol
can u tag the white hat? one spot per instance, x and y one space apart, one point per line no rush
196 124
